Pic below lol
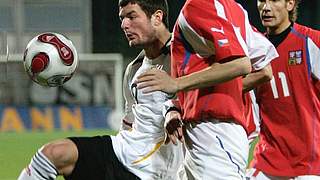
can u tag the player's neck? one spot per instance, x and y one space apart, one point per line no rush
154 50
277 39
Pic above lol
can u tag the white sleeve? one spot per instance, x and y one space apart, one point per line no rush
128 119
261 50
314 55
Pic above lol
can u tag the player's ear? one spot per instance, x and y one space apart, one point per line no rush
157 17
290 4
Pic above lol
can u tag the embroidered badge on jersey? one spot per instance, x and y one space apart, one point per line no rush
223 42
295 57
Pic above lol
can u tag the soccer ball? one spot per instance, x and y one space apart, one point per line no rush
50 59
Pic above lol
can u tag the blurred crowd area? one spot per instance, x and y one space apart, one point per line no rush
94 26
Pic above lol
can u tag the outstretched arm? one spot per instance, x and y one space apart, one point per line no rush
155 80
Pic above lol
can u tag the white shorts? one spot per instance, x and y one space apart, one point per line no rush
254 174
214 150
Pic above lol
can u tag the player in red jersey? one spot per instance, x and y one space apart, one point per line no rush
212 47
289 104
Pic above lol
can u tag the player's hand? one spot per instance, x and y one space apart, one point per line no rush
174 127
157 80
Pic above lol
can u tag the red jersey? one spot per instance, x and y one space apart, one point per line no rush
290 108
210 31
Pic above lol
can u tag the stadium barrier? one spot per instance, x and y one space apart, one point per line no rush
49 118
91 99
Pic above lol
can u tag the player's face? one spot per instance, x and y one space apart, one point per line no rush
275 14
138 28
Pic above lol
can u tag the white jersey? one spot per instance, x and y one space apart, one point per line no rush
141 149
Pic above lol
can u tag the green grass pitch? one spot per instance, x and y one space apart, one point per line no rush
16 149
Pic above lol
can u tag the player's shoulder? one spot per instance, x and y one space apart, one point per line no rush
138 59
308 32
195 13
134 65
305 30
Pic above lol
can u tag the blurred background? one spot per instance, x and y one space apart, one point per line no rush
91 102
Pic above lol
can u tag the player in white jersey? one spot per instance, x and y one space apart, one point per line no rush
136 152
147 133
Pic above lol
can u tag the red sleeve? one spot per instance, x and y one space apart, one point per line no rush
203 17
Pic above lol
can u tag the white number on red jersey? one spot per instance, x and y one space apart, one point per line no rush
283 80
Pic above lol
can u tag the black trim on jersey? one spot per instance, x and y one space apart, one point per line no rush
173 108
124 121
166 48
134 92
278 38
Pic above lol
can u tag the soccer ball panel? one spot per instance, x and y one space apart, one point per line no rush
50 59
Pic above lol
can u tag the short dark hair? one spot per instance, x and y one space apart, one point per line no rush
150 7
293 15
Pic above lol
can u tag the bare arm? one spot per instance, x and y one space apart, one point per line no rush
258 77
215 74
155 80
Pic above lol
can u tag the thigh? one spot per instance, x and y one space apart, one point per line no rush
97 160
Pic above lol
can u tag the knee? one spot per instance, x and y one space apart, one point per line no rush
61 153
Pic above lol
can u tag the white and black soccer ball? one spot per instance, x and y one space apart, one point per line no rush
50 59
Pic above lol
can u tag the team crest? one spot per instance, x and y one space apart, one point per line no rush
295 57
